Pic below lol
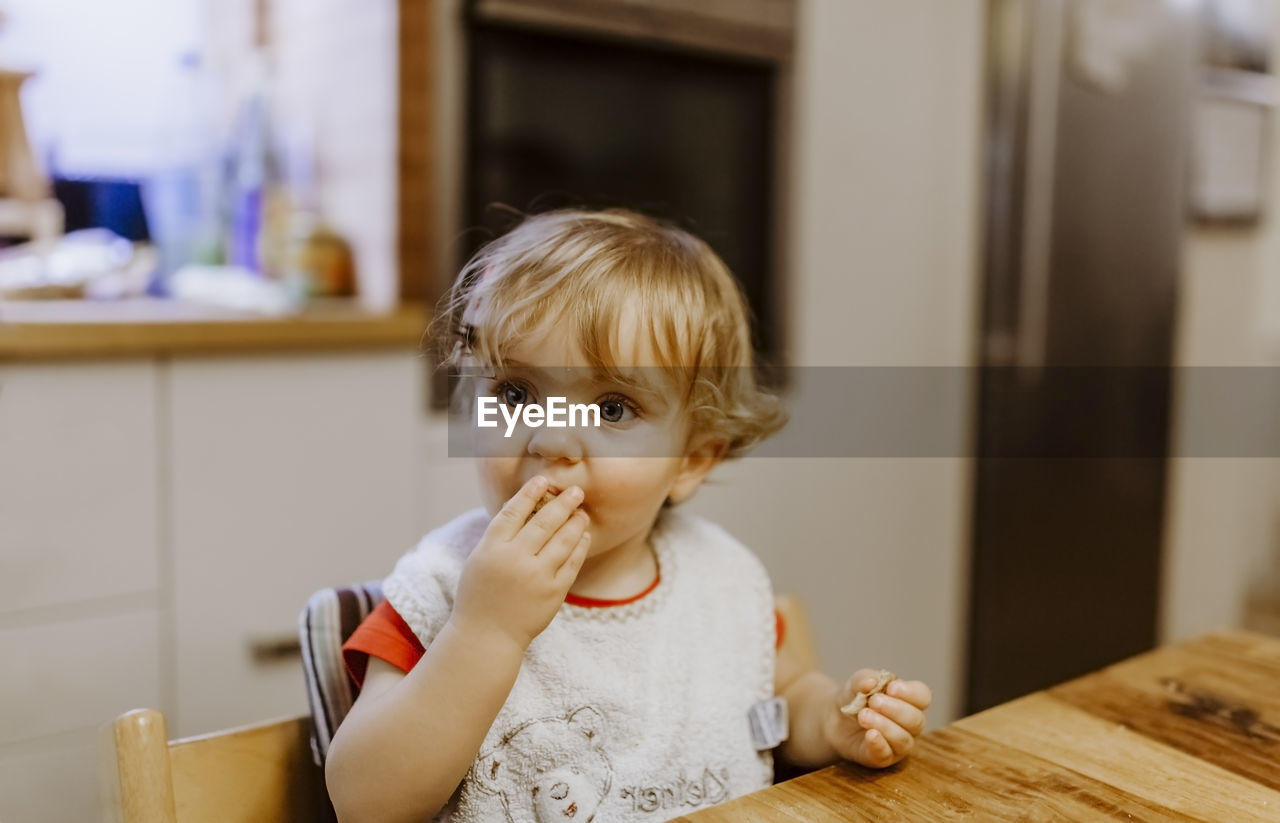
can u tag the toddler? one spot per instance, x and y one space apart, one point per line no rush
581 649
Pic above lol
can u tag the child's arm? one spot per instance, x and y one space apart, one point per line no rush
409 739
820 733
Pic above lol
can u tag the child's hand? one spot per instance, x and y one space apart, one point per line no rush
518 575
885 731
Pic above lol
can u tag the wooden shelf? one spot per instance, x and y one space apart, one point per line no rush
86 330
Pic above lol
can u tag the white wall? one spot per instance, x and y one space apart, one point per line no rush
1223 524
108 81
882 272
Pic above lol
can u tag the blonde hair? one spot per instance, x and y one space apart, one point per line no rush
588 269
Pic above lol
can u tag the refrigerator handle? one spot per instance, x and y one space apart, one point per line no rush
1037 217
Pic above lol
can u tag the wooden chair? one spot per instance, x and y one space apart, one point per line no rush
247 775
267 772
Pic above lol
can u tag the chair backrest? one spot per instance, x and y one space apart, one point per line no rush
247 775
267 772
330 617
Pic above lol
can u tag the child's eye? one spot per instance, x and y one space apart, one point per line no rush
616 409
512 394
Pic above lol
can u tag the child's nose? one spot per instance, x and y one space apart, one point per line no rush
555 444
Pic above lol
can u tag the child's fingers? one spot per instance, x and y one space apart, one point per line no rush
897 737
568 571
515 512
899 711
911 691
561 544
551 518
863 680
879 752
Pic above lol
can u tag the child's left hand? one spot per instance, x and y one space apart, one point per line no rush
887 729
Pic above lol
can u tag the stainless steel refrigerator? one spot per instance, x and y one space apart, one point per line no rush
1087 116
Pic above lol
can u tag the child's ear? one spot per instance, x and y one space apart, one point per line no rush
695 466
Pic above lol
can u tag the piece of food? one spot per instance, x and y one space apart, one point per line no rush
546 498
859 702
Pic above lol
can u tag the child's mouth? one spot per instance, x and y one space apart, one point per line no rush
552 493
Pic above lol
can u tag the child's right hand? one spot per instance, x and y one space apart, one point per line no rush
518 575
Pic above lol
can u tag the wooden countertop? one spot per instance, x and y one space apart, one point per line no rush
1187 732
39 330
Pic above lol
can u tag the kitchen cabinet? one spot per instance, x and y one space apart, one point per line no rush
164 518
288 474
78 488
79 573
50 780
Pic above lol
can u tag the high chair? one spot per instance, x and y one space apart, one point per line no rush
267 772
272 771
247 775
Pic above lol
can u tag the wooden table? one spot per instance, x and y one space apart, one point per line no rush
1186 732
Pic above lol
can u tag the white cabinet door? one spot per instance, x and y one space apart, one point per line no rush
289 474
74 675
79 574
53 780
78 488
59 683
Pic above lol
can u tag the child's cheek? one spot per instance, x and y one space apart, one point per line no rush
499 481
494 442
627 488
643 439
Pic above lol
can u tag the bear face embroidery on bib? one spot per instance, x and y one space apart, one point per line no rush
549 769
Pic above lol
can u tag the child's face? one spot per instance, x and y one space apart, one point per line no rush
627 467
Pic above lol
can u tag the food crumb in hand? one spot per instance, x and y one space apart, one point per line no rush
859 702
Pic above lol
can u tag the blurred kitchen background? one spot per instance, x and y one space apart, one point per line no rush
223 224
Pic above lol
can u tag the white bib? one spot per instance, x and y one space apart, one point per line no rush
638 712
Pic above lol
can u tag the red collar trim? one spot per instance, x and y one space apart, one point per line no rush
597 603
